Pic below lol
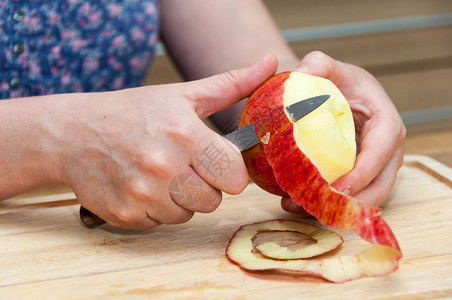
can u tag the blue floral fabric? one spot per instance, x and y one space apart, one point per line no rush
63 46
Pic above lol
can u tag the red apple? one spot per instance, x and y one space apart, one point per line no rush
302 159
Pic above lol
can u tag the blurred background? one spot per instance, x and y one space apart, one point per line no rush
406 44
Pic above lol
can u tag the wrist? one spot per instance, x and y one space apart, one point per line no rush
32 137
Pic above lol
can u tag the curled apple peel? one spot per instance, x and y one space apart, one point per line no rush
281 166
374 261
323 240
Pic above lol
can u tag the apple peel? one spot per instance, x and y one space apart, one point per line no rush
317 197
373 261
324 240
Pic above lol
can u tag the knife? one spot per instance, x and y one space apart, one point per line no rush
244 138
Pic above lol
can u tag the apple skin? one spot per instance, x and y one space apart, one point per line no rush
280 167
259 104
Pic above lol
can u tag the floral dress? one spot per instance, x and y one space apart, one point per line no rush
64 46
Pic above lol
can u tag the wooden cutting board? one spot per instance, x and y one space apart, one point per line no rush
45 253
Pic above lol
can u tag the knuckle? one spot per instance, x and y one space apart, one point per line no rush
126 216
183 132
158 162
233 78
138 189
317 55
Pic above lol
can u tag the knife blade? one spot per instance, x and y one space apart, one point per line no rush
244 138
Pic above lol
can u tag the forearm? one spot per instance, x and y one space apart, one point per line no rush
226 34
28 143
209 37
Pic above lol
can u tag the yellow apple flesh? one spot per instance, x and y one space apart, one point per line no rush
326 135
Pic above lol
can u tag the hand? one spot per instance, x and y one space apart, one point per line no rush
142 157
380 132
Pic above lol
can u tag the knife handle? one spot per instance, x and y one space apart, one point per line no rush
89 219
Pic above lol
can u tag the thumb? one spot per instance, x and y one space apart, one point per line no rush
218 92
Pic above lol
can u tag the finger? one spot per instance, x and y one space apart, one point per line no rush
149 198
191 192
131 218
288 205
219 163
345 76
118 217
319 64
218 92
145 223
168 212
375 151
378 190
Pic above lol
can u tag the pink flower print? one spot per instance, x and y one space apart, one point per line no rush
4 86
91 64
35 70
152 40
138 63
118 41
3 4
66 78
33 22
54 17
94 17
73 1
78 44
115 9
150 8
23 58
86 7
137 35
111 60
9 55
67 34
15 94
117 83
46 40
56 51
100 83
53 70
119 66
106 33
61 62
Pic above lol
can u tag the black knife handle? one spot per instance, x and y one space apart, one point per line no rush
89 219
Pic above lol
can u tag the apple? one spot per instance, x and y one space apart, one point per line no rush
302 159
326 135
307 260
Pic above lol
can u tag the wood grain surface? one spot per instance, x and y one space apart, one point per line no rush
46 253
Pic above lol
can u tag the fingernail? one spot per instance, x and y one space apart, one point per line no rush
293 207
346 191
303 69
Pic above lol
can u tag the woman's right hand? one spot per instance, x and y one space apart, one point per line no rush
142 157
